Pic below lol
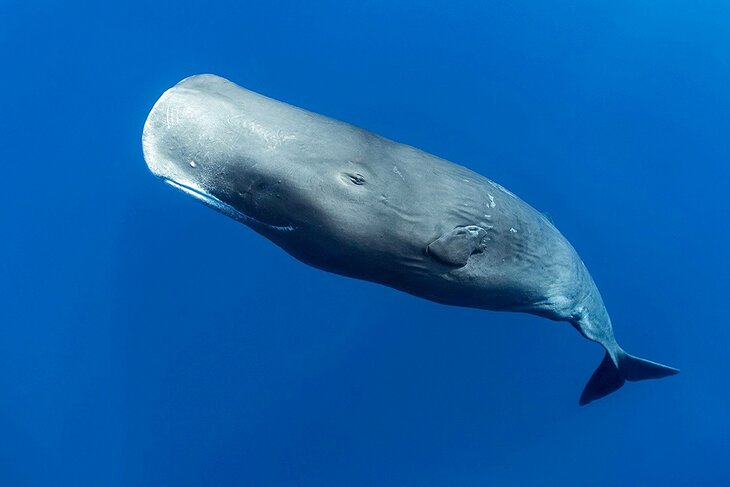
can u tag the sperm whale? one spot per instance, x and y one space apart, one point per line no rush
348 201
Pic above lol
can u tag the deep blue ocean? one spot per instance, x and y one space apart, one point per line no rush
146 340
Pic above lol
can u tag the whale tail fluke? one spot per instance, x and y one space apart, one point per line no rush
605 380
609 377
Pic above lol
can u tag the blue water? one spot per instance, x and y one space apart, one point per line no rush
146 340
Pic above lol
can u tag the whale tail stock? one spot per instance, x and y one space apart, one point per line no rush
615 369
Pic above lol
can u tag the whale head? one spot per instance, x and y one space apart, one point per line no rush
213 140
300 179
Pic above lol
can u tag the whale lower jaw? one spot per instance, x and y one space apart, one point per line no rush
221 207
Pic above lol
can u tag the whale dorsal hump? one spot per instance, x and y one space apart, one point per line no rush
455 247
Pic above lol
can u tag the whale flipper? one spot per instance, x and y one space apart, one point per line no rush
455 248
608 377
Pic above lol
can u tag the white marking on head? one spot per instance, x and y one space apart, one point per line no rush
273 139
395 170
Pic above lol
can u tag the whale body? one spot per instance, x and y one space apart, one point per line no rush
351 202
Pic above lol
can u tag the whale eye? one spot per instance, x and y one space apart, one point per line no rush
357 178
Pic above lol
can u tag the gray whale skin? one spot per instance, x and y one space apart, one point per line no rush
348 201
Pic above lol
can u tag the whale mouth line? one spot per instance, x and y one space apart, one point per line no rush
222 207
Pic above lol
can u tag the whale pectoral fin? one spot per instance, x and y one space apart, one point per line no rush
455 248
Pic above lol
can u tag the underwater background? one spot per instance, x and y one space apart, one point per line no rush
146 340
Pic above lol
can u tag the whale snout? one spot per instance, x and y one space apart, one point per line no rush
198 136
164 142
180 149
219 144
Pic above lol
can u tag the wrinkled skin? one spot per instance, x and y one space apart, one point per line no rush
351 202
